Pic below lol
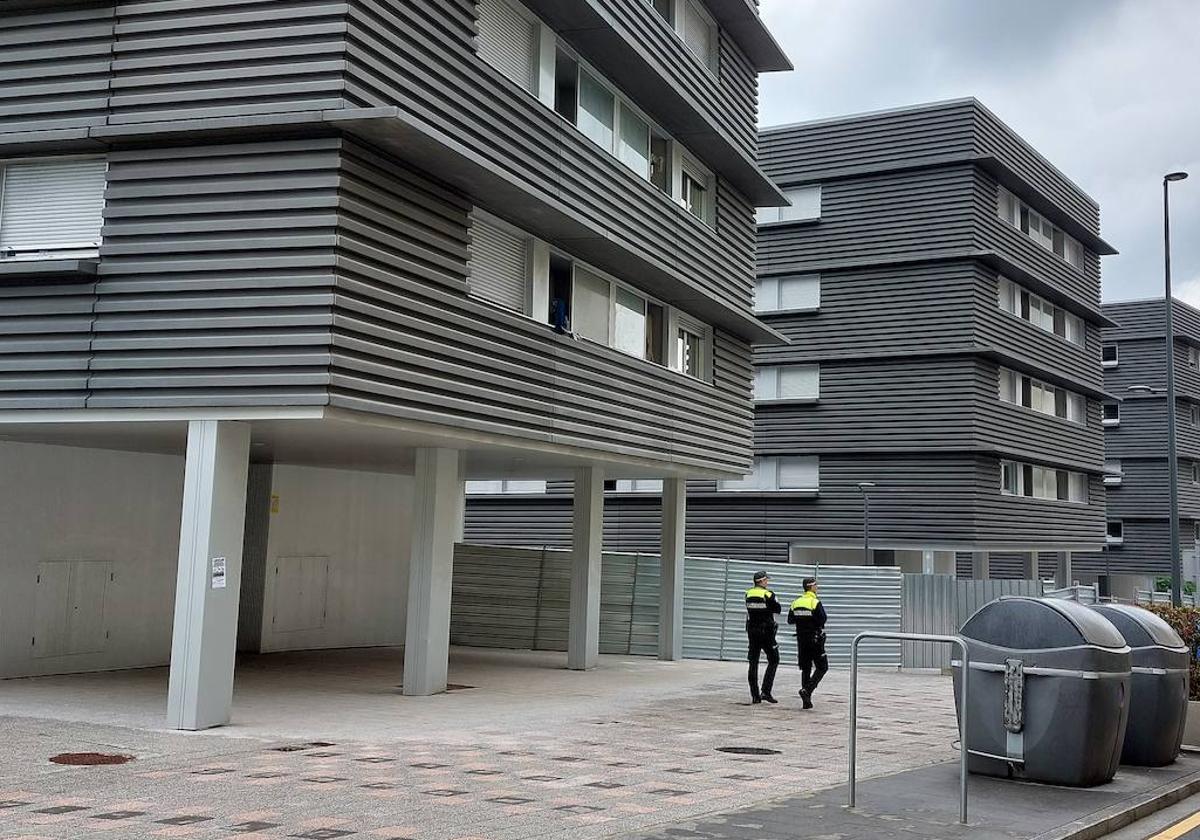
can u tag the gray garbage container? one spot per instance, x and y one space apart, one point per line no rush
1049 691
1158 688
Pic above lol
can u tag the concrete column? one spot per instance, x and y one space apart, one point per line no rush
583 634
460 512
436 494
670 594
928 562
1029 565
1062 570
980 565
209 574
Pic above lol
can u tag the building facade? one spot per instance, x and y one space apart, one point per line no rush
1136 479
382 246
939 284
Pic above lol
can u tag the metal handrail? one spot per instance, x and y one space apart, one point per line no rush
963 706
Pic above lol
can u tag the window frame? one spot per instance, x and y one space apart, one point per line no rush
1040 392
504 487
1034 224
674 21
637 485
759 468
1109 537
778 369
1031 481
762 216
1113 472
1115 420
779 282
1044 309
58 251
1115 360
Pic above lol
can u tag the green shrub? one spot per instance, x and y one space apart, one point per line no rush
1186 622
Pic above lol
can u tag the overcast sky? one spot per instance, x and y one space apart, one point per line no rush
1107 90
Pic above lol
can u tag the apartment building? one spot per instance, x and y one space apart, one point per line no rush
939 284
1136 480
275 280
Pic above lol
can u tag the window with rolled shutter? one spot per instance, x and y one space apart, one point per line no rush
51 206
499 265
508 41
699 33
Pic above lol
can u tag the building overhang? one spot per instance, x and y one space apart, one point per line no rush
631 68
1025 364
742 20
1014 182
1014 271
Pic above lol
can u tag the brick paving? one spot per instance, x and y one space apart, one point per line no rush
619 766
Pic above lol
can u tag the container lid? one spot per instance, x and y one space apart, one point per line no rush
1040 623
1140 627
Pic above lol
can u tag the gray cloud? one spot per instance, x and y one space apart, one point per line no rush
1107 90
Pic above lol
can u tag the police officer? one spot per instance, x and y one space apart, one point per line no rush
808 614
761 609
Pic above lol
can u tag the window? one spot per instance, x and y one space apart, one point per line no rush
512 269
1193 356
508 40
1038 482
504 486
1038 228
1116 532
787 382
51 208
1194 414
699 32
1019 389
1112 414
788 294
694 26
1112 473
696 191
1195 472
1108 355
805 207
797 474
1016 300
498 269
615 124
639 485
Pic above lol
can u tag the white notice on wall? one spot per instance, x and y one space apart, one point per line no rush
218 573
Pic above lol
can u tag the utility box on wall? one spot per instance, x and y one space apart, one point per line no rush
69 607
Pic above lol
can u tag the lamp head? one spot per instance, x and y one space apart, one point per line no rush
1175 176
1140 389
865 485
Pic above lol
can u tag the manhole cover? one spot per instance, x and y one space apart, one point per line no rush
90 759
749 751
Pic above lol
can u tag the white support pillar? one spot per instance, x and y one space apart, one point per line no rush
670 593
928 562
583 633
1062 570
460 512
980 565
436 502
209 574
1029 565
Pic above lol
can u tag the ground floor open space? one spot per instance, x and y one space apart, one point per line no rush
325 745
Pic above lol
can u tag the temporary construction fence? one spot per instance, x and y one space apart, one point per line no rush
520 597
940 604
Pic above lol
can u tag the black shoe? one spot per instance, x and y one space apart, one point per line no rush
755 699
768 698
806 696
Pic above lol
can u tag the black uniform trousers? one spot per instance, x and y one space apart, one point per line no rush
810 649
762 640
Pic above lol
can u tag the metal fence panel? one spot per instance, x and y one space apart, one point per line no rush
520 598
941 604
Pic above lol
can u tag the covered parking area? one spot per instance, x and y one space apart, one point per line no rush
151 538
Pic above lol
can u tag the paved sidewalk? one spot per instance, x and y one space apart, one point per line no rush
597 763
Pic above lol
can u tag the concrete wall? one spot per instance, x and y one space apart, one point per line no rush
360 522
60 504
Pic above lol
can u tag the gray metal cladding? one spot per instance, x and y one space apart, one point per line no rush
1146 550
45 342
419 55
216 275
409 342
1144 490
940 604
924 135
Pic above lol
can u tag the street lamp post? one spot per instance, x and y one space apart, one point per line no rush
865 488
1172 460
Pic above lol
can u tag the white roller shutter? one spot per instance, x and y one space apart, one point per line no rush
52 205
508 41
499 266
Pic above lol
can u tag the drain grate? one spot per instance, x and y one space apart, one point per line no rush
89 759
749 751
